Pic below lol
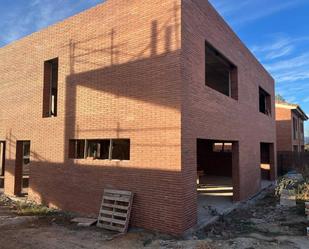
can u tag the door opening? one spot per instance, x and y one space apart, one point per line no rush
267 163
22 168
2 163
217 166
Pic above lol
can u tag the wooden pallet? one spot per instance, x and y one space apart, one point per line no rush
115 210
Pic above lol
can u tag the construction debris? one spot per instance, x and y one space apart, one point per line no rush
291 188
288 198
84 222
115 210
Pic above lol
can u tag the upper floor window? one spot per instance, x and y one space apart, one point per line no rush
302 127
295 128
50 89
221 74
264 101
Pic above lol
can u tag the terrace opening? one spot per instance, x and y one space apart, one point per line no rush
215 183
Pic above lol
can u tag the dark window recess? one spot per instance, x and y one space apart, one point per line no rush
77 149
2 157
101 149
264 102
26 157
98 149
294 128
295 148
221 74
50 89
121 149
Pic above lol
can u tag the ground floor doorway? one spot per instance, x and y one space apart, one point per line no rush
267 163
216 176
2 163
22 168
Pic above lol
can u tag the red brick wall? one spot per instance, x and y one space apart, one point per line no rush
300 137
285 137
207 114
284 126
131 69
119 77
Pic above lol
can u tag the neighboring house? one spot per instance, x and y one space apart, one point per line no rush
290 120
139 96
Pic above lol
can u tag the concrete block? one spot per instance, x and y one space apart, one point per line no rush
288 198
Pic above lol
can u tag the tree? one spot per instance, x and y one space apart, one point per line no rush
279 98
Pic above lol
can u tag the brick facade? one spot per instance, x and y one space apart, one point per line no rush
286 139
132 69
210 115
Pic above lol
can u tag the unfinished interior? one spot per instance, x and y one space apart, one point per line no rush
221 74
159 98
215 175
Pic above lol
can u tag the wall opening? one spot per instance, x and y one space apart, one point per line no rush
295 128
221 74
267 164
216 175
295 148
264 102
50 89
2 163
100 149
22 168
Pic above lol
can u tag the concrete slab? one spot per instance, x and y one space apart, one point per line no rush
202 223
84 222
215 196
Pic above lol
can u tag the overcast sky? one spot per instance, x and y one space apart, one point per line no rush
276 31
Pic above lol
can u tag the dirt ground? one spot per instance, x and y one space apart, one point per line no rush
263 224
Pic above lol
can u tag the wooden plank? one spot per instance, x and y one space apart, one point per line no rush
113 213
110 227
109 217
117 198
115 206
120 192
112 220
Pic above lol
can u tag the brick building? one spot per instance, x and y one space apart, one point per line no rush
140 96
290 120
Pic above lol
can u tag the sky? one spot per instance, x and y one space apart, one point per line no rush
276 31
